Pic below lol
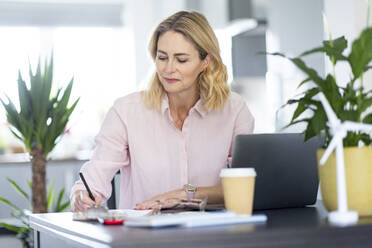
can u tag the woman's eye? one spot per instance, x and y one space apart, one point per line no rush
182 60
162 58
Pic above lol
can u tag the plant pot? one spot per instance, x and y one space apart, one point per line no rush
358 170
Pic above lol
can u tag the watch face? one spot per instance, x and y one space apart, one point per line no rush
189 187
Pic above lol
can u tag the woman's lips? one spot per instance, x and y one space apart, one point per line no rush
171 80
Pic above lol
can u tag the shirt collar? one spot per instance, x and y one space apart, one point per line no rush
198 106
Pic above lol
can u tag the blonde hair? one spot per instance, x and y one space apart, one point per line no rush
213 88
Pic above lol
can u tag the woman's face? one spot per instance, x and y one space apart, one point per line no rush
178 63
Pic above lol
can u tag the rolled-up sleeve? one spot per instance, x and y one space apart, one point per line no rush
110 154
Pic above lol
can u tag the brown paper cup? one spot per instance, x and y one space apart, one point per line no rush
238 189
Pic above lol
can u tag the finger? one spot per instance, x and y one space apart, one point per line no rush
143 206
84 197
155 204
81 206
98 199
76 202
78 208
140 206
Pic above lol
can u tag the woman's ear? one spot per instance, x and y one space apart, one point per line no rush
206 61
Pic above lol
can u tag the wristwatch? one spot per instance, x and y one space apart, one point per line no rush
190 190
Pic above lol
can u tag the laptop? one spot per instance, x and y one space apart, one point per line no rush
286 167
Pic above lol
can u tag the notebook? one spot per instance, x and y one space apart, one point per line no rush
286 167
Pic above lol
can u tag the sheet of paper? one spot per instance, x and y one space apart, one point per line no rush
95 213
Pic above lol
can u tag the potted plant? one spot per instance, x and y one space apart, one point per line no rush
22 228
350 102
38 122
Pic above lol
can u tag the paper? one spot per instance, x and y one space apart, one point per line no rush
95 213
194 219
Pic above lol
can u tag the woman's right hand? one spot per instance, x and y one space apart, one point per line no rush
81 201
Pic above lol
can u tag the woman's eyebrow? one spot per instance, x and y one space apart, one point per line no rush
176 54
181 54
160 51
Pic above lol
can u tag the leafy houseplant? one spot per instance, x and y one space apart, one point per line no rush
24 232
350 102
39 122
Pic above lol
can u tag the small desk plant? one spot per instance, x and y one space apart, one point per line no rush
39 122
350 102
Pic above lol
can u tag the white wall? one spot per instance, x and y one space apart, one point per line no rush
293 27
142 16
348 18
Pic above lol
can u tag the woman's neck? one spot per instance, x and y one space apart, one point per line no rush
180 105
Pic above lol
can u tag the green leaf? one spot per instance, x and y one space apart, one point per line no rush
12 115
18 189
317 123
12 228
24 99
5 201
368 119
314 50
59 200
63 207
274 54
50 196
332 93
303 82
16 135
351 115
333 50
301 107
365 104
366 139
20 216
296 122
367 68
311 73
29 183
361 52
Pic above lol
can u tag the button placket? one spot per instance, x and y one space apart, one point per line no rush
185 137
184 160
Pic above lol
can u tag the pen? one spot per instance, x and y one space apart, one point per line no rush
87 187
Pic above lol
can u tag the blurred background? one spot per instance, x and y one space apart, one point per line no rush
102 44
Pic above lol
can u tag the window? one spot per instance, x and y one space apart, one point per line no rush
100 58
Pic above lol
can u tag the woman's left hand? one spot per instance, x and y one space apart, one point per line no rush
167 200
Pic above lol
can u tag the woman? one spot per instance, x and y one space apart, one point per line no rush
178 134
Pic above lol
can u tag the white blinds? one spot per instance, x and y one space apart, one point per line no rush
53 14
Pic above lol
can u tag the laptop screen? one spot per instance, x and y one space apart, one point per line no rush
286 167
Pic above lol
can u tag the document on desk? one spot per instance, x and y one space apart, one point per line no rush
96 213
194 219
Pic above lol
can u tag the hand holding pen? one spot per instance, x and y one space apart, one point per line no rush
84 199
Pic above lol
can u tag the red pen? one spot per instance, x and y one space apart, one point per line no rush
113 222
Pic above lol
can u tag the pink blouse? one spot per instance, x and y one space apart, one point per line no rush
154 156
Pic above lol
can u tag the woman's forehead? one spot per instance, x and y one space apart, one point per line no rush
175 43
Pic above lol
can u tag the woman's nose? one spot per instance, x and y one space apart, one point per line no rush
170 67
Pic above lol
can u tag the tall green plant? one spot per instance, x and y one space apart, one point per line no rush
24 232
38 122
349 103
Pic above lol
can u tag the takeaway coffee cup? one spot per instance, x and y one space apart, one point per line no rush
238 189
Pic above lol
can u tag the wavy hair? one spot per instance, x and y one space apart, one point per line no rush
212 82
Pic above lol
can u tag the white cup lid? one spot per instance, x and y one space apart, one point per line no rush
238 172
